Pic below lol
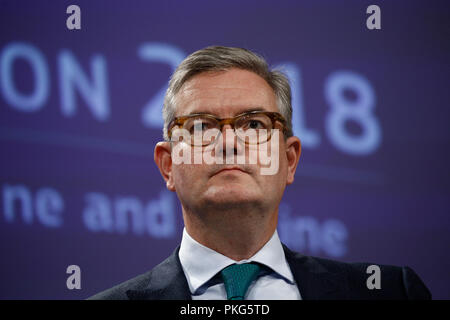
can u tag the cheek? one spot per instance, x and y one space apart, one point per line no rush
186 176
279 168
271 183
283 161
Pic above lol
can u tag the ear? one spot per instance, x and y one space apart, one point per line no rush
163 159
293 151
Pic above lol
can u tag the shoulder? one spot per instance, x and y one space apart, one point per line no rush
154 279
363 280
119 292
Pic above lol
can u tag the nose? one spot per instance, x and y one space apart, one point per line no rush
230 143
229 137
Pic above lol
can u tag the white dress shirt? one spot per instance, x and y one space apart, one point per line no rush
201 266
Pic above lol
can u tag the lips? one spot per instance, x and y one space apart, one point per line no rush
230 169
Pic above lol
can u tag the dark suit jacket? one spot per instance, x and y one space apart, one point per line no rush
317 279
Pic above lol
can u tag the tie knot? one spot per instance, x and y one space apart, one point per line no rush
237 278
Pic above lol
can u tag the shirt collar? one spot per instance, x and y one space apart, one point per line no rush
201 263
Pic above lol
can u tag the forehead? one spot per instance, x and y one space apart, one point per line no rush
225 94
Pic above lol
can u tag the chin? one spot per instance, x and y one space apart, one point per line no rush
232 193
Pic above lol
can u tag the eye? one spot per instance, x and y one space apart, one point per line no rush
253 124
199 125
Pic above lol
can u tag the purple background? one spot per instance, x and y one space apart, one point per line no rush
393 202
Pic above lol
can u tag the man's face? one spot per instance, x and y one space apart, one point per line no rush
207 186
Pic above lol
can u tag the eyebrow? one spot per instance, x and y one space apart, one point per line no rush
237 113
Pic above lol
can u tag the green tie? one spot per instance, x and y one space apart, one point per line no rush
237 278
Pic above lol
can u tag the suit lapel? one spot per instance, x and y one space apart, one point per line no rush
165 282
314 281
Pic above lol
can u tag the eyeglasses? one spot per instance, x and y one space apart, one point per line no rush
252 127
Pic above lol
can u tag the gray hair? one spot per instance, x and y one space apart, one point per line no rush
218 58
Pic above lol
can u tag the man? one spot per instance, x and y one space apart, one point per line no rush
217 98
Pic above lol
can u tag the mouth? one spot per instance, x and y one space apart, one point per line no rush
229 170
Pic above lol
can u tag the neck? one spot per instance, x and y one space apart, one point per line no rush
237 234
